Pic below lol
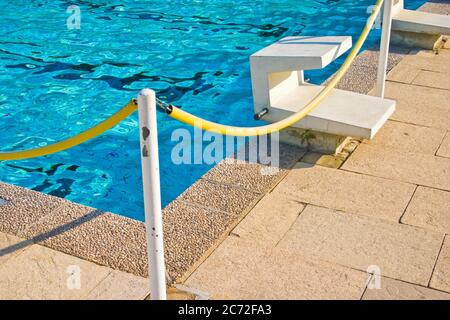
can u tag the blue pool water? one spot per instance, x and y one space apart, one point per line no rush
55 82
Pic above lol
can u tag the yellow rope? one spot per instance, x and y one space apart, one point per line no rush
75 140
195 121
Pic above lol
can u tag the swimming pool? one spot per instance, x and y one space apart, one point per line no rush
56 81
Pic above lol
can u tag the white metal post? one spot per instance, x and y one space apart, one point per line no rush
152 193
384 47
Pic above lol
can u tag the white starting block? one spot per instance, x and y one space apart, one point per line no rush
418 21
278 85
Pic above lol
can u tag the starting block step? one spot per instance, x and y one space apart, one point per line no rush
342 113
421 22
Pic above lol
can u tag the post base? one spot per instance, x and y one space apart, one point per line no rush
417 40
313 140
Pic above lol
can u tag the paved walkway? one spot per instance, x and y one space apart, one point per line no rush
315 235
326 231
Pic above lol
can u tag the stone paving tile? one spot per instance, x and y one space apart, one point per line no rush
219 196
279 276
444 149
421 169
42 273
440 63
420 105
120 286
247 254
10 246
341 190
269 220
422 60
229 267
251 176
392 289
401 252
404 72
175 293
252 240
287 275
441 275
408 137
429 209
409 68
22 207
432 79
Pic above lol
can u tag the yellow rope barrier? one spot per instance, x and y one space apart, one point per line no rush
75 140
206 125
195 121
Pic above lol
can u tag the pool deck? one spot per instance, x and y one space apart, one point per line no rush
324 229
309 232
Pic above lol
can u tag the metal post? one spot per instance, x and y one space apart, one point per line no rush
152 193
384 47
